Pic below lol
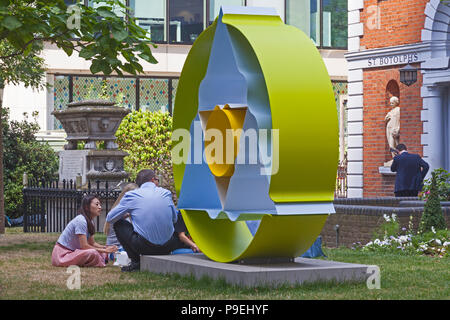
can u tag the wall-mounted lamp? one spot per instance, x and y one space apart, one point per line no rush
408 74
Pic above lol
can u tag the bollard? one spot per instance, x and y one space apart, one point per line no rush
78 182
336 228
25 180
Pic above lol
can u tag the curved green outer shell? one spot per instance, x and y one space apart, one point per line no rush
302 108
224 240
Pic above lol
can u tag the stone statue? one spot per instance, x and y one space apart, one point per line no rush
392 120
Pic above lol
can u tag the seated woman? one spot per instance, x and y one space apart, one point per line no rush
184 241
76 245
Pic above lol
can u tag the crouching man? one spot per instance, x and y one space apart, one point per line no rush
153 215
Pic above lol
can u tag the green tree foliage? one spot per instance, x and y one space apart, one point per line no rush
23 153
98 34
146 137
28 70
432 214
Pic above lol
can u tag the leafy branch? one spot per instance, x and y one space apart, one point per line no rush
113 43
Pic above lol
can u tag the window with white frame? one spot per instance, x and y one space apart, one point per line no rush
324 21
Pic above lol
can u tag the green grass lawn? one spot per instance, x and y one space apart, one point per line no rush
26 273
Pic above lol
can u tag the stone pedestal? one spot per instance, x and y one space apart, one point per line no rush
385 170
93 165
106 165
296 272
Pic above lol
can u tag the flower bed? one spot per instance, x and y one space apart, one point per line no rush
434 243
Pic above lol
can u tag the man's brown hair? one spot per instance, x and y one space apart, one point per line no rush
143 176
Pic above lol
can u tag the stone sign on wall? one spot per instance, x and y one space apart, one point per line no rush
73 163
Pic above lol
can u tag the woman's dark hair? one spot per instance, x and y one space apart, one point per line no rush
86 212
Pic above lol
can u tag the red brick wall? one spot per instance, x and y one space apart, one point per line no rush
360 227
377 93
401 22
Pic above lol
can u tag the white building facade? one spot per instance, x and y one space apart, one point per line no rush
174 25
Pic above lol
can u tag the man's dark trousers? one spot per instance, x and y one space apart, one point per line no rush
135 245
406 193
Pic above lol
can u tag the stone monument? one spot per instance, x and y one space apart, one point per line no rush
91 121
392 121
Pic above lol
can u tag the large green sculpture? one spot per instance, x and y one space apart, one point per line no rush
251 73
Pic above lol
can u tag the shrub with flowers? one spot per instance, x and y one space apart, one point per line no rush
442 185
432 212
406 241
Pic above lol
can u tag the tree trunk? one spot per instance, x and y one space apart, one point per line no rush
2 195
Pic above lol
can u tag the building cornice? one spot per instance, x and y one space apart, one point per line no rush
421 47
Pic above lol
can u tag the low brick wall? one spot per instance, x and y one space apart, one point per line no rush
359 218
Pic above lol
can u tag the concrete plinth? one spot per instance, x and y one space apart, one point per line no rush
300 271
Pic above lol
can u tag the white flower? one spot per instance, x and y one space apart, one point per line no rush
438 242
377 241
403 239
423 247
394 217
386 217
446 244
433 230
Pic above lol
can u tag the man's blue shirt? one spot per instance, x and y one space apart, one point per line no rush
152 211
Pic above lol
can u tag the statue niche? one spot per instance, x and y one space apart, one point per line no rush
392 121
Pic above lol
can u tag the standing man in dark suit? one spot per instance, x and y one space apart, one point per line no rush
411 170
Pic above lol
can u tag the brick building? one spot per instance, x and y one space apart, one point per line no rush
384 36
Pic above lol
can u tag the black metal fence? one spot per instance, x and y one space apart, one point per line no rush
50 205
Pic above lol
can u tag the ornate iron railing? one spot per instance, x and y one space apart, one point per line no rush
340 190
50 205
